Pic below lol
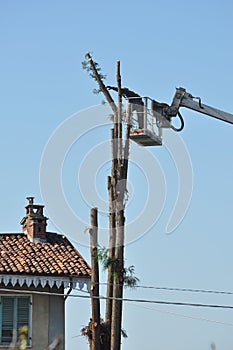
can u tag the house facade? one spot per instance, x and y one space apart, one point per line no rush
38 270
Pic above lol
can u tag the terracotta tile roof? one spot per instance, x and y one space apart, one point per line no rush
55 257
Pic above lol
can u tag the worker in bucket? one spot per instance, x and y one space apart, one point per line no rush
136 103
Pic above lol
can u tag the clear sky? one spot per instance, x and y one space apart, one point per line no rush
161 45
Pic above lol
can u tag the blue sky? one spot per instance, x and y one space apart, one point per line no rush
161 45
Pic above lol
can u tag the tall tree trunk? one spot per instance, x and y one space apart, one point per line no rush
112 243
119 119
119 248
118 284
95 323
116 189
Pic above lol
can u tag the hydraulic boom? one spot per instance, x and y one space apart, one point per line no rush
185 99
160 115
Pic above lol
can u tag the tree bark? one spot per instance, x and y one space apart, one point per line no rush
118 284
112 242
119 248
127 144
119 118
95 343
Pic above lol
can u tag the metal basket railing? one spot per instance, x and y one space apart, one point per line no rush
142 115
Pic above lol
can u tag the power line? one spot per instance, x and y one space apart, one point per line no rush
178 303
207 291
186 290
179 315
161 302
183 315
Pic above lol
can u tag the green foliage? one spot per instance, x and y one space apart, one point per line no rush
96 91
129 278
87 67
103 257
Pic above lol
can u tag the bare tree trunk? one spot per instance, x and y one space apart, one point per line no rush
126 147
112 243
119 248
116 188
95 343
118 285
119 118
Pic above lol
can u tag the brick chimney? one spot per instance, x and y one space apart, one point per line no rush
34 223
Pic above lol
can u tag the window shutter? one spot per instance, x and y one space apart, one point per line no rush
7 319
14 314
23 304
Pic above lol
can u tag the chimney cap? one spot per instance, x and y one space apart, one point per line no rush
30 200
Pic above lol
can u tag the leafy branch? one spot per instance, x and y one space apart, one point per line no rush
129 278
89 68
95 73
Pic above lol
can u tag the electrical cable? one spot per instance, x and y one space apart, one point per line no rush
161 302
183 315
187 290
206 291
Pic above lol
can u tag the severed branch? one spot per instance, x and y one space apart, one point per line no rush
101 84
